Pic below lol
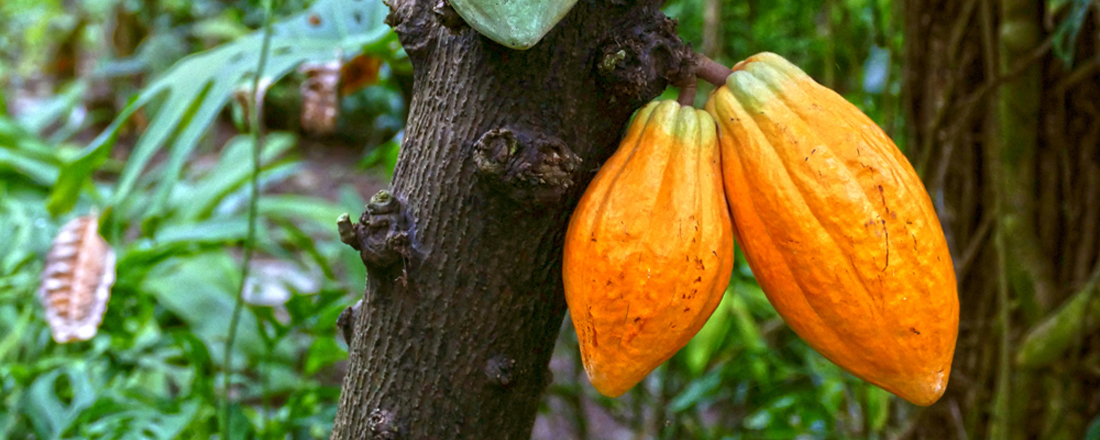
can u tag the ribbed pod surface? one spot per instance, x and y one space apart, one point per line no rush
837 228
649 249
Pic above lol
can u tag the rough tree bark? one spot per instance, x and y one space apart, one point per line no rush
1008 141
464 295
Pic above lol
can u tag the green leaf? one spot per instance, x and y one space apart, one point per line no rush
1065 35
1046 341
743 318
200 200
13 335
78 172
54 108
322 353
319 211
52 414
878 407
384 155
41 173
118 415
696 391
27 156
698 352
1093 433
200 290
213 231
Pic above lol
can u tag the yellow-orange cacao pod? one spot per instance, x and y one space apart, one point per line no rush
838 228
649 250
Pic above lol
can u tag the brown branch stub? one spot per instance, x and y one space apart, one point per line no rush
383 425
413 28
639 62
500 370
349 234
382 233
532 170
345 323
448 17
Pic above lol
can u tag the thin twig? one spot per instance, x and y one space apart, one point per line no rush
973 247
1077 75
967 103
1018 69
1003 395
960 29
911 425
954 45
253 212
998 427
956 419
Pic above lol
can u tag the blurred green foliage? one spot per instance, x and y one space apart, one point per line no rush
150 372
851 46
178 221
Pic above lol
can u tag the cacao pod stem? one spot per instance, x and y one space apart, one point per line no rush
687 93
710 71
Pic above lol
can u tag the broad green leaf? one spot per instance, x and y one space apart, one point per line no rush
41 173
198 200
27 156
200 290
318 211
52 414
213 231
133 415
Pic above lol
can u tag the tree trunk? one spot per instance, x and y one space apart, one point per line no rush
464 295
1007 139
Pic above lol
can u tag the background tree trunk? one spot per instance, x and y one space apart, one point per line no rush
464 297
1007 139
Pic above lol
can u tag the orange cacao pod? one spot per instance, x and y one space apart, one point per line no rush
838 228
649 249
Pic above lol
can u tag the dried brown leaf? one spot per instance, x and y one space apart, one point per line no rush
76 283
320 102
